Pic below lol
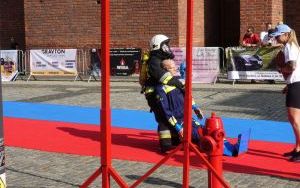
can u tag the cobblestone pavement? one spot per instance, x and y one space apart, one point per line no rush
31 168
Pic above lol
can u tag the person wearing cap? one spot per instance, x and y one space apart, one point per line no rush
290 69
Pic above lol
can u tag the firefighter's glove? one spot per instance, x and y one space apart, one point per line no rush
179 129
198 112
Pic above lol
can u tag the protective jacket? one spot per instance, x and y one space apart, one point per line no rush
171 101
157 75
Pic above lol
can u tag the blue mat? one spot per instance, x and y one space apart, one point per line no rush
260 129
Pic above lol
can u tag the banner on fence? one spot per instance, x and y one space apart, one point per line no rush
252 63
206 63
53 62
124 61
9 64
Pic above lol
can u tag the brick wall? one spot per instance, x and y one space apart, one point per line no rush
11 22
76 23
62 23
198 19
254 13
135 25
277 11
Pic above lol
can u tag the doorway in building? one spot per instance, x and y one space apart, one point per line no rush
229 22
222 22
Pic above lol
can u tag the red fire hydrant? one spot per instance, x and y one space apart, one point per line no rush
212 143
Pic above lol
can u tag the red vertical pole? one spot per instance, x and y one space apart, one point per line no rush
105 96
188 94
216 161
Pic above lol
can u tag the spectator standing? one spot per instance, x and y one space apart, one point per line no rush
290 68
13 44
95 62
250 38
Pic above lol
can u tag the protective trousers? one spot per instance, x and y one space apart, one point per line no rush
168 137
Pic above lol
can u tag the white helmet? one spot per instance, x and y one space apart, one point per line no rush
155 42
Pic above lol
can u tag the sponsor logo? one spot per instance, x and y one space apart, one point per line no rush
53 51
122 65
122 62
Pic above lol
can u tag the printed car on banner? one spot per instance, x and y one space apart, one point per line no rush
252 63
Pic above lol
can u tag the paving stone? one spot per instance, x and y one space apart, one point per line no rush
32 168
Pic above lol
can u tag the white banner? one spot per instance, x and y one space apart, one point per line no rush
53 62
256 75
206 63
9 64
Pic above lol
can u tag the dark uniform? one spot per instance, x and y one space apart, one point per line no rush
156 75
170 100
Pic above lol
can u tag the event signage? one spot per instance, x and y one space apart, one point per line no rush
206 63
124 61
252 63
9 64
53 62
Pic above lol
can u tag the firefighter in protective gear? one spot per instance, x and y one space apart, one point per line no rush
171 101
159 51
156 75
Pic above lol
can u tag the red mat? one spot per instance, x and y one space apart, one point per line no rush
263 158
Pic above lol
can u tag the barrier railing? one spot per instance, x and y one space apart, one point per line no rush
73 67
81 61
21 65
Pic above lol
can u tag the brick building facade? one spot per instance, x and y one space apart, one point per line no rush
76 23
11 22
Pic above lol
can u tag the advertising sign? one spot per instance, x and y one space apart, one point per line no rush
9 64
124 61
252 63
53 62
206 63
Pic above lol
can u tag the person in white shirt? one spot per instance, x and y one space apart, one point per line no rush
269 40
264 34
290 69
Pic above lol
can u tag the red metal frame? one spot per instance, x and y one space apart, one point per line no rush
106 169
188 95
